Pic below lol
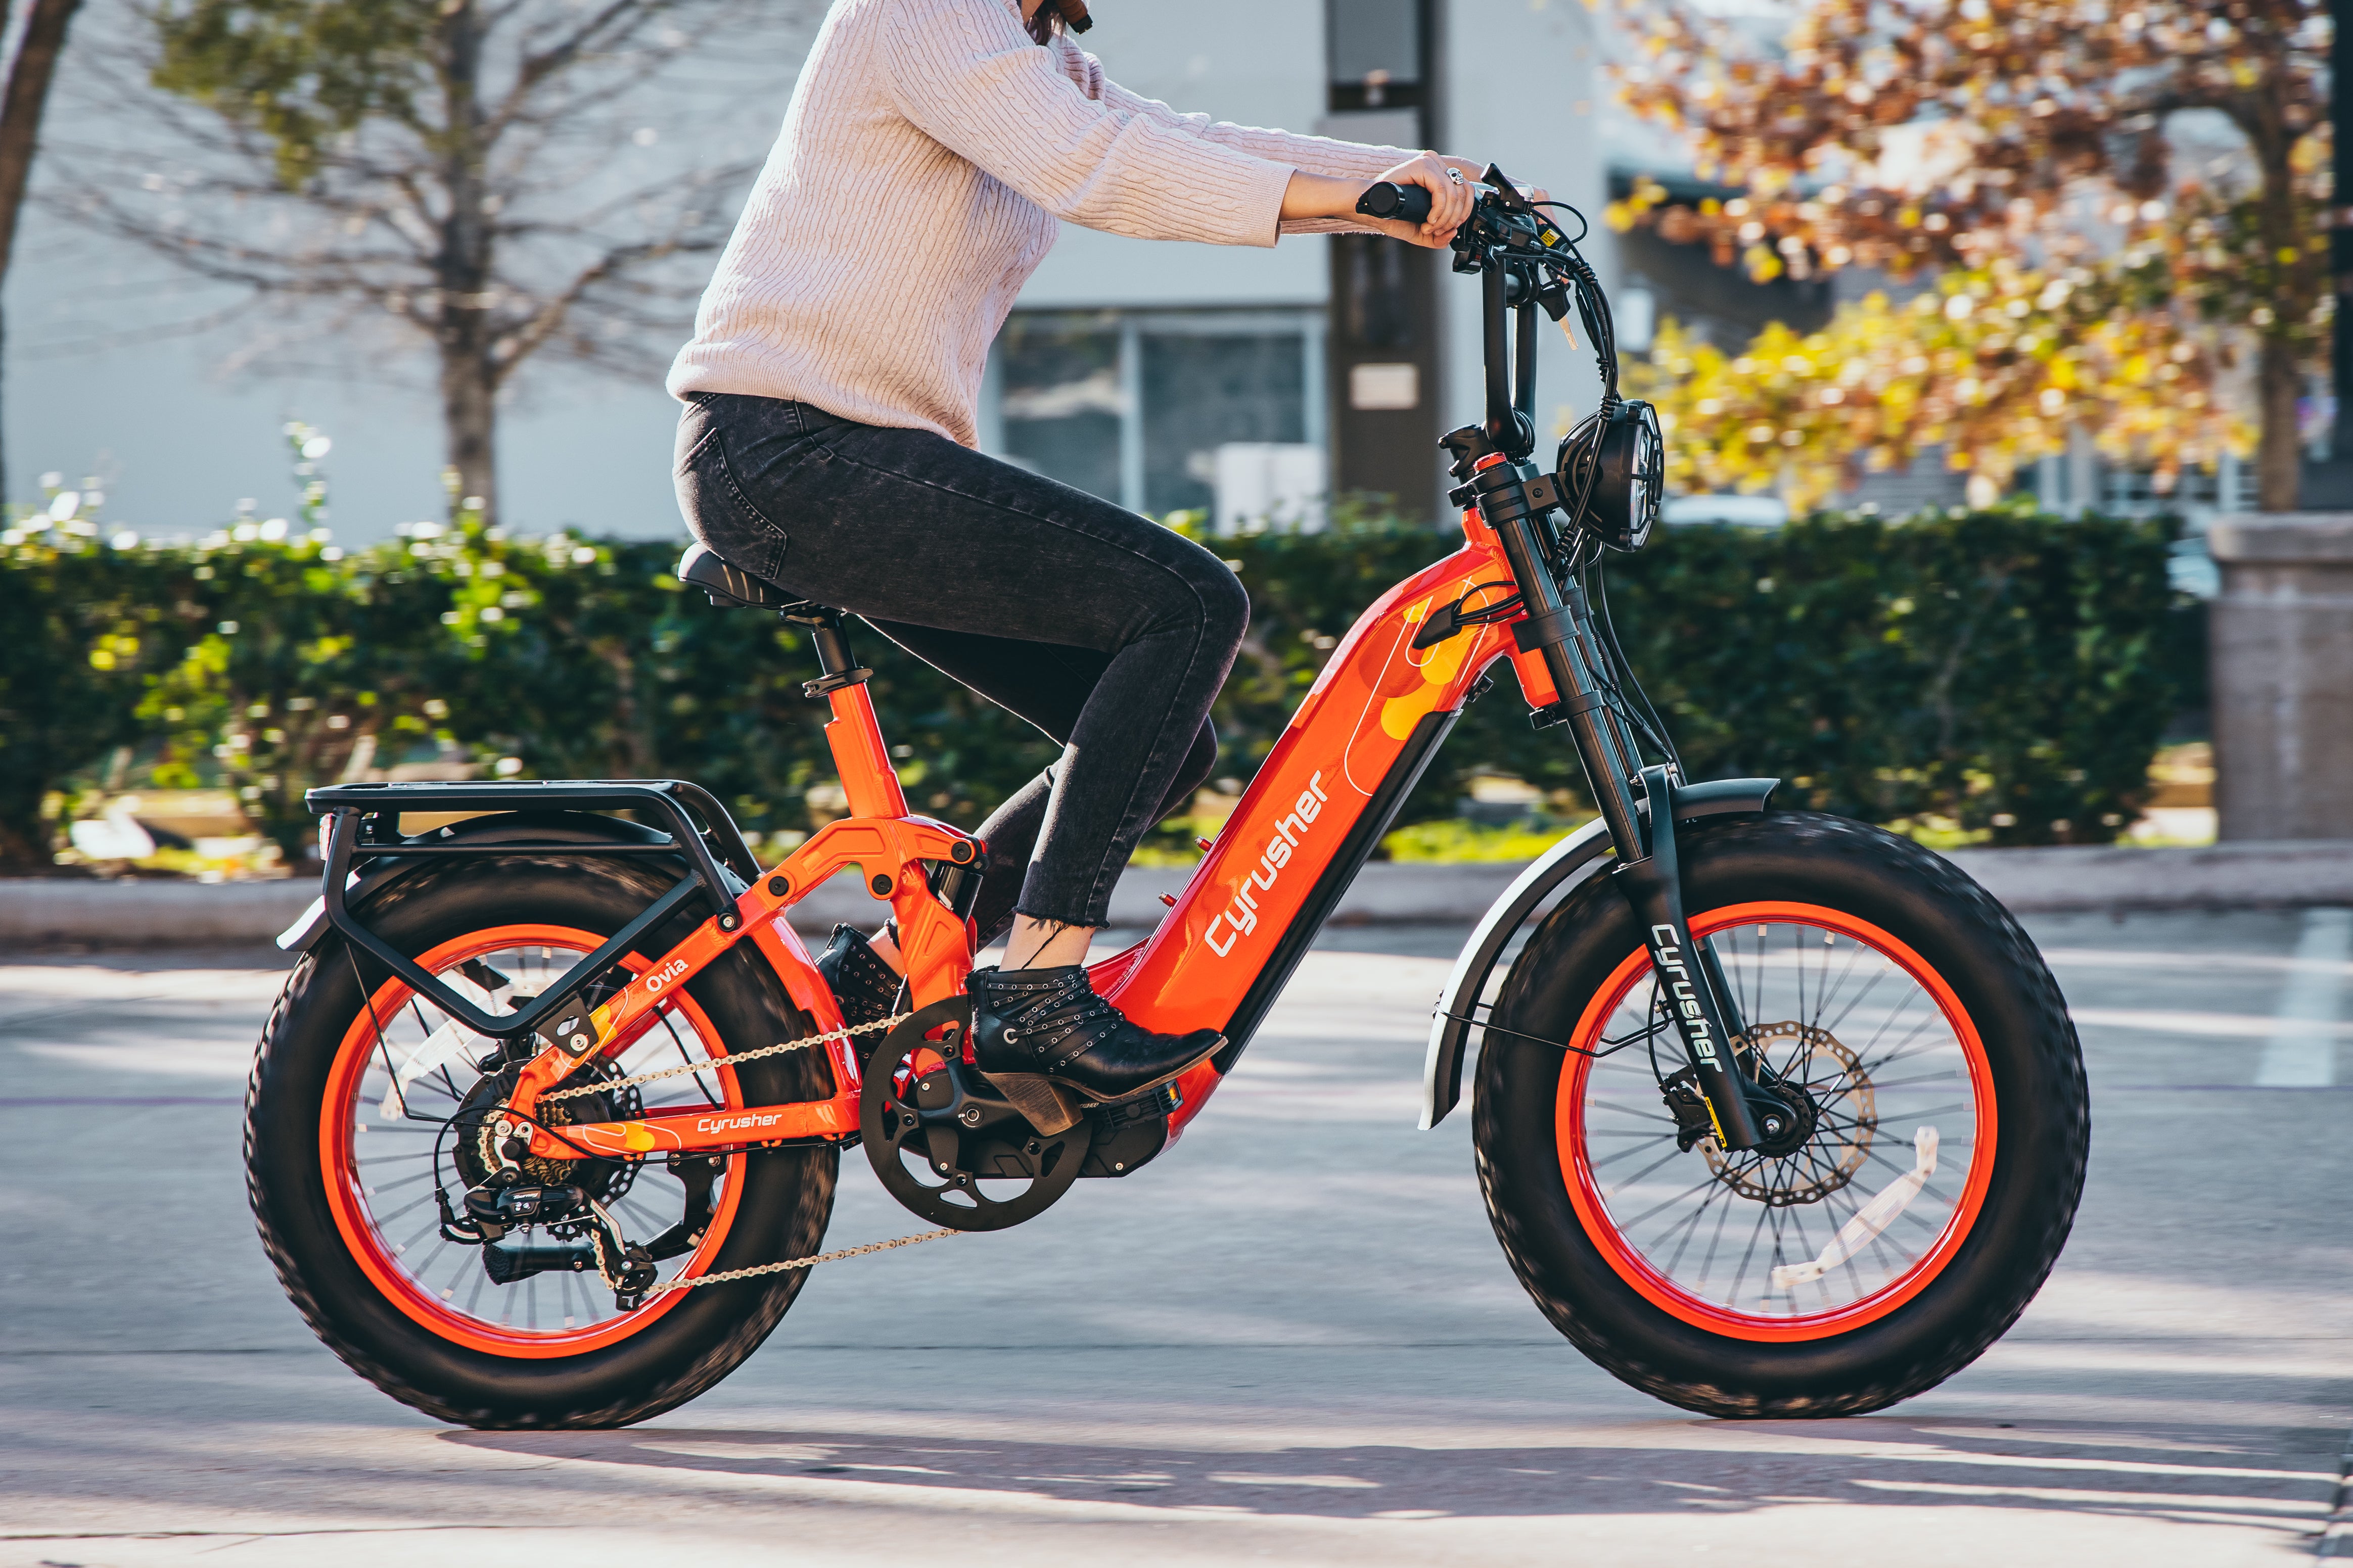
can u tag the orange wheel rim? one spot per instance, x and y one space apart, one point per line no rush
1595 1131
386 1263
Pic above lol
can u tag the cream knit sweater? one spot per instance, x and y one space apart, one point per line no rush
929 149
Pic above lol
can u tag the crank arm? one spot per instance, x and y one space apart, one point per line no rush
1689 977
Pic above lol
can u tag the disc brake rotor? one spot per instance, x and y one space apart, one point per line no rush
1810 1062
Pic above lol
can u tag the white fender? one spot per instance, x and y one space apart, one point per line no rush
1575 857
1558 866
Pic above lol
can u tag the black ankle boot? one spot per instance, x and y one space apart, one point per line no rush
1052 1046
866 988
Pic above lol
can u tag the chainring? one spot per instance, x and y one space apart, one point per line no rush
938 1135
1841 1108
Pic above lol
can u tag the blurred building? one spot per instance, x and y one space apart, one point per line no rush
1252 385
1249 384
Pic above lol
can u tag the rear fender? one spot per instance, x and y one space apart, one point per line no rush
1559 869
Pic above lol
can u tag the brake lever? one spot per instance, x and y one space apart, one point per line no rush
1508 192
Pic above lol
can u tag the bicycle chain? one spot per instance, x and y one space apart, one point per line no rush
603 1085
797 1262
731 1060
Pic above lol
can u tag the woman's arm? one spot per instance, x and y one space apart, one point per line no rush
1320 197
965 73
1330 174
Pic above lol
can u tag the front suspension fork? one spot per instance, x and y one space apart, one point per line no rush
1559 626
1692 987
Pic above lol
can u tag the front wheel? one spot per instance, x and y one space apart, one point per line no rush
1936 1142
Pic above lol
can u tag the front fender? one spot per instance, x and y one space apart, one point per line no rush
1581 855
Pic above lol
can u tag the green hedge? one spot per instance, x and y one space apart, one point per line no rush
2007 672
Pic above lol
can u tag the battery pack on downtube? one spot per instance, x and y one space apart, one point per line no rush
1690 984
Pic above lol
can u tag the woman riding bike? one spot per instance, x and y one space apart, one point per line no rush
827 447
1776 1112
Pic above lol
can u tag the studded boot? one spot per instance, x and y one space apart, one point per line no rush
866 988
1053 1048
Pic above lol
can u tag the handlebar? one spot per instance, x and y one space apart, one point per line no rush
1406 204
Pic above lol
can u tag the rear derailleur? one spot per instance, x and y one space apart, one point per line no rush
504 1202
512 1191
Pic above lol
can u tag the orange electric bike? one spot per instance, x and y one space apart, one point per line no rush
1776 1113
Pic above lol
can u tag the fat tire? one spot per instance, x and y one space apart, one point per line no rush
2041 1110
786 1201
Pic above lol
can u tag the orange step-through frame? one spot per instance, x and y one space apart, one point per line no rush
1191 973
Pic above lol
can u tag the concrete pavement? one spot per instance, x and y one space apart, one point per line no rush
1293 1335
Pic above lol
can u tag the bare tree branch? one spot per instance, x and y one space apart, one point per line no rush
522 207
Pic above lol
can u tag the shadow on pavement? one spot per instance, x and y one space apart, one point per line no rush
2190 1476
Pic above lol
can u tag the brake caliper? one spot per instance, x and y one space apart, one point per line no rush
1689 1108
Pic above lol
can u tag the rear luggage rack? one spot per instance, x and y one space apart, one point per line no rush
356 831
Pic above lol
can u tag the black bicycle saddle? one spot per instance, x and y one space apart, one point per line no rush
728 583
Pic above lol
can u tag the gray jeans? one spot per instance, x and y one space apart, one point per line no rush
1104 629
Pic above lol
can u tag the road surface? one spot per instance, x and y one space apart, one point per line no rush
1294 1336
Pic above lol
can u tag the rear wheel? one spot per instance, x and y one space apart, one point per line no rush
1937 1127
361 1119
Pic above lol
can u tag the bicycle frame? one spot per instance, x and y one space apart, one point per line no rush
1298 835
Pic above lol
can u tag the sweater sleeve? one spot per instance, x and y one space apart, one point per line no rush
1311 154
965 73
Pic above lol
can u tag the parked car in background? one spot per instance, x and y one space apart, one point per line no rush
1741 511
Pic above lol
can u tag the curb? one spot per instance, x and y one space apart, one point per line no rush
36 911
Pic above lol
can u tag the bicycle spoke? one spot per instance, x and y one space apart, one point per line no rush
1807 982
1722 1219
1732 1297
1687 1192
411 1181
1630 1153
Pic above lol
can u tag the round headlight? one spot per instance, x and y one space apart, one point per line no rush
1623 462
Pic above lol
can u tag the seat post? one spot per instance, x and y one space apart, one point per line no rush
853 732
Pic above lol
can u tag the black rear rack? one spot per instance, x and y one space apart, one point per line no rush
355 832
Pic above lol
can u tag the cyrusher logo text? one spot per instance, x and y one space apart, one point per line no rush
1681 1001
1241 915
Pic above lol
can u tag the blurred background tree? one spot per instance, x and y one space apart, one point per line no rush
84 629
1995 366
2031 130
40 36
483 176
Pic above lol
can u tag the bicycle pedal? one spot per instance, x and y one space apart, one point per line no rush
1162 1101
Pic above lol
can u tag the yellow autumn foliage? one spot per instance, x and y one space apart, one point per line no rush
1995 366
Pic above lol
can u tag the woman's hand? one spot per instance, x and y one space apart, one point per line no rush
1451 195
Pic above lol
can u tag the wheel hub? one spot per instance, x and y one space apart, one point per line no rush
1820 1128
475 1148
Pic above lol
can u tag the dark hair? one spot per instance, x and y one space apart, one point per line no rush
1071 14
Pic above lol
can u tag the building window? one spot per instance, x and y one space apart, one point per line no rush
1374 49
1162 411
1060 399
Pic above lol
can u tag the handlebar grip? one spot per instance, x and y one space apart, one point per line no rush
1406 204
